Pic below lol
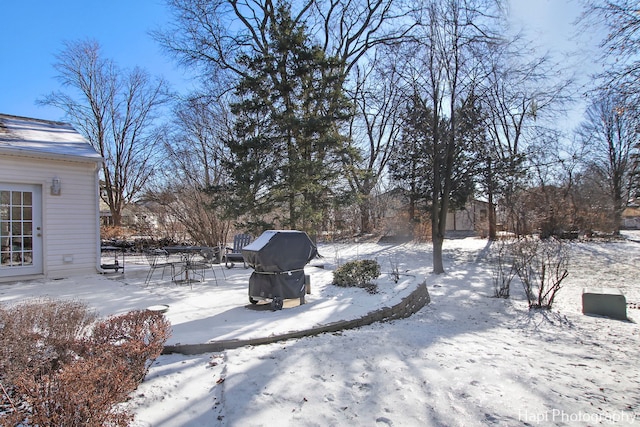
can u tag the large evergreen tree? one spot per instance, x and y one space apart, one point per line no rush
412 160
287 142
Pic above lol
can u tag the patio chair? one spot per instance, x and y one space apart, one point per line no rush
212 257
234 254
157 259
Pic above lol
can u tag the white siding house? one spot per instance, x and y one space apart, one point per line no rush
473 218
49 216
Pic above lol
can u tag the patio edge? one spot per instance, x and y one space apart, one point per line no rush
405 308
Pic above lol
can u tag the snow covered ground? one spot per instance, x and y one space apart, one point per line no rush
467 359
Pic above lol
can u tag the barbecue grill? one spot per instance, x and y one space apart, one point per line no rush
278 258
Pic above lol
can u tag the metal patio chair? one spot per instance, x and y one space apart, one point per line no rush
158 259
212 257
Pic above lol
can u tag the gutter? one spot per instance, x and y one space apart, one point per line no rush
23 152
99 268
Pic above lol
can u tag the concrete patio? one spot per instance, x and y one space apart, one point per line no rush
216 313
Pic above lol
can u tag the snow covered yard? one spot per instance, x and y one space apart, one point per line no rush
467 359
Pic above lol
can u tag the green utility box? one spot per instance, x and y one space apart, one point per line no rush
609 302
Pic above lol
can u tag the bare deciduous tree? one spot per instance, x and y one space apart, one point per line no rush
447 73
194 156
116 111
523 94
621 43
212 35
374 130
610 132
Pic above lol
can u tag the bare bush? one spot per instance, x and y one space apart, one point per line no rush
40 334
395 269
541 265
136 337
115 233
503 267
82 393
59 367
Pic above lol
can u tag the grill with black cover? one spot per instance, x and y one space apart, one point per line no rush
278 258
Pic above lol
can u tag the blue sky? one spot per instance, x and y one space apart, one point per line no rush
33 31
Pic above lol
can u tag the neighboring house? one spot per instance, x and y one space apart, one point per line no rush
631 217
105 212
49 211
471 220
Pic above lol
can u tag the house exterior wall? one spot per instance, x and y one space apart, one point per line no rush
473 218
632 223
631 218
70 231
461 220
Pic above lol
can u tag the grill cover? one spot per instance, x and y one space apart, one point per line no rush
279 251
278 258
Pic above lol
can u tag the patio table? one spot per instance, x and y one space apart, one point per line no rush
187 254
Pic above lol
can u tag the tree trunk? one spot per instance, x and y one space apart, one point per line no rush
116 218
438 228
491 216
618 208
438 266
491 213
365 215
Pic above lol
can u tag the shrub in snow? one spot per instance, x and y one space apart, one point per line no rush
395 270
503 267
41 334
59 367
137 338
357 273
541 265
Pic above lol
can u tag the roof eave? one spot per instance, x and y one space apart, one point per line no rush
22 152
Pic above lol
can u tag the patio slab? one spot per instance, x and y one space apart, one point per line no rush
217 310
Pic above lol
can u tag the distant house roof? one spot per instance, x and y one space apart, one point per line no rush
631 212
45 139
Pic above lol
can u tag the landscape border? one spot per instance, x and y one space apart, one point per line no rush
408 306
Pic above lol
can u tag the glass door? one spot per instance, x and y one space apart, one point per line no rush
20 230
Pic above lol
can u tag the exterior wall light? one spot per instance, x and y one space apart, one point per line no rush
56 186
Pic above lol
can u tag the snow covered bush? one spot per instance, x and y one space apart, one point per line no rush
541 265
136 337
59 367
41 334
357 273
